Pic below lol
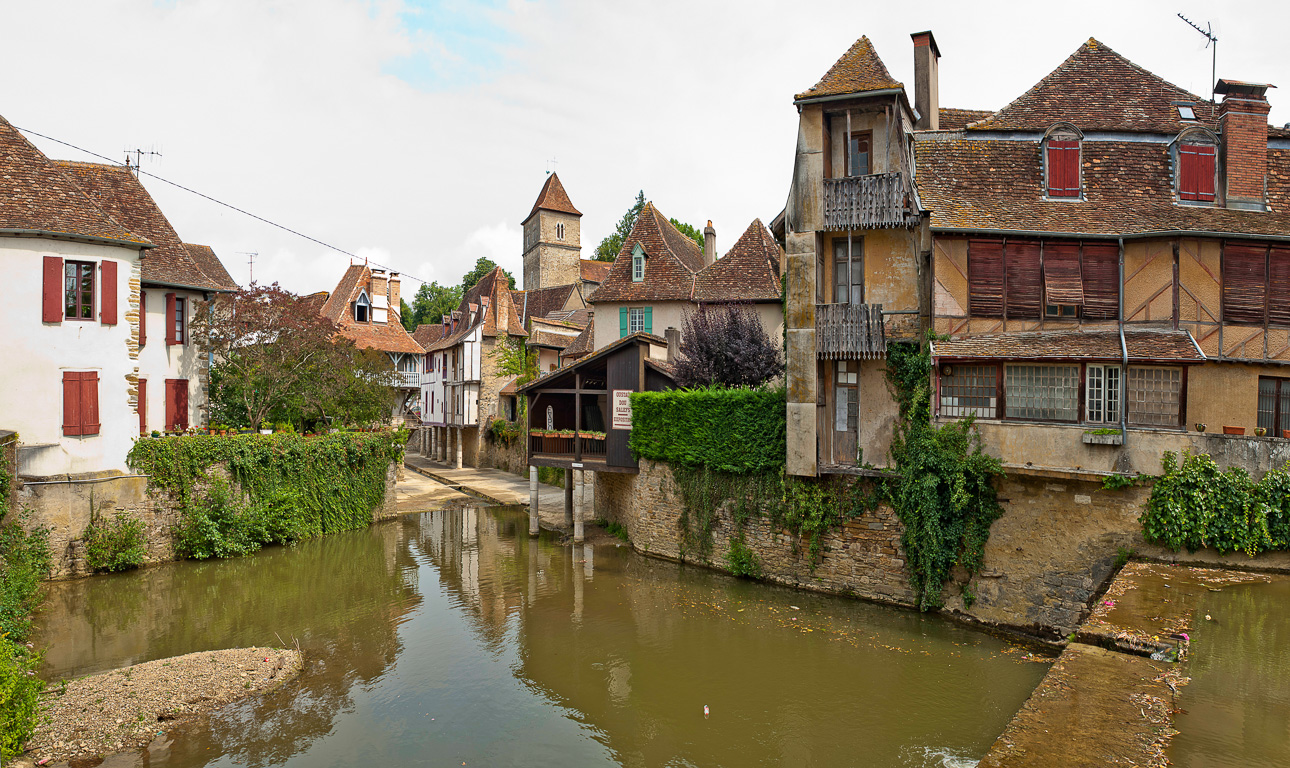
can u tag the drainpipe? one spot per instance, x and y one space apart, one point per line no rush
1124 356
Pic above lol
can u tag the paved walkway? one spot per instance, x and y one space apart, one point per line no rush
498 487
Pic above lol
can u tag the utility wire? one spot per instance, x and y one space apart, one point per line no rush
226 205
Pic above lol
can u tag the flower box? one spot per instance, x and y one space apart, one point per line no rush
1233 430
1092 438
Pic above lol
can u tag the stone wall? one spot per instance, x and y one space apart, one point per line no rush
512 458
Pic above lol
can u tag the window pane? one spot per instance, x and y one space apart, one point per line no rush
1112 393
1095 393
1044 392
970 389
1155 397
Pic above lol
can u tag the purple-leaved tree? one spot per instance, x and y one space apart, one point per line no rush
726 345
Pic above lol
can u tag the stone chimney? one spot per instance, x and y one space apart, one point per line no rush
378 284
396 295
927 96
1243 123
673 337
709 244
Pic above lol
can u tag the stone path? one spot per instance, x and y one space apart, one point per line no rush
497 487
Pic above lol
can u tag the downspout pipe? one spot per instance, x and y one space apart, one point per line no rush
1124 357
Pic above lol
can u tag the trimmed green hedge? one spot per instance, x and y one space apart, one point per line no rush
740 431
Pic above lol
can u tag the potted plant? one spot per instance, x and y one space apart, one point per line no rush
1260 431
266 428
155 433
1200 426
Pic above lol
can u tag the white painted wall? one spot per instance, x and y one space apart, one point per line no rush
35 354
159 361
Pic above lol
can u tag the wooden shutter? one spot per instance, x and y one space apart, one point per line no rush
1023 298
649 319
170 319
143 406
1245 279
985 278
1063 169
90 403
1062 281
1195 172
622 322
143 318
1100 266
181 403
54 295
107 293
1279 285
71 403
170 404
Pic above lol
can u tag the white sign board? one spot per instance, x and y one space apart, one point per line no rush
622 409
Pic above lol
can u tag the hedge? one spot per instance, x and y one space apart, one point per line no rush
740 431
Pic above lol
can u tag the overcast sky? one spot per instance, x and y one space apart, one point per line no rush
418 134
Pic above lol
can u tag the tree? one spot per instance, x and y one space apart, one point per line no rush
726 345
431 303
482 267
613 243
689 231
515 358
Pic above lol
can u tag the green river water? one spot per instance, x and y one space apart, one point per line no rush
451 638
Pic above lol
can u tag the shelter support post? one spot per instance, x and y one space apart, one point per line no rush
568 497
579 511
533 501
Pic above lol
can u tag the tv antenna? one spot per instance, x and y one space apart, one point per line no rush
1208 32
139 154
550 166
250 263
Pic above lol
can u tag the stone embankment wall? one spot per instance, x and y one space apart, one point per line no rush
508 458
1048 555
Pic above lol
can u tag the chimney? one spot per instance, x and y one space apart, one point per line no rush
673 337
927 96
709 244
396 297
1243 123
378 284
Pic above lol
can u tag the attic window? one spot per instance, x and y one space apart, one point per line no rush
362 308
1061 157
638 264
1186 112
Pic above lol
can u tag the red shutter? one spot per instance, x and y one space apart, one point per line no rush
1063 169
170 404
143 406
181 403
1021 259
1279 285
1100 266
1062 281
107 293
1195 172
985 278
143 318
90 403
1245 281
52 308
170 319
71 403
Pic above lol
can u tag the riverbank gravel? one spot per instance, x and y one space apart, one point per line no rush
127 708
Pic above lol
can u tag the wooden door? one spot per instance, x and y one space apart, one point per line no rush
845 415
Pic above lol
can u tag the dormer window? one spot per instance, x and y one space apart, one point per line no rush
362 308
1195 158
638 264
1186 112
1062 162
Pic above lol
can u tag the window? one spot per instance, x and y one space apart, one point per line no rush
78 291
968 390
985 278
637 317
1196 172
846 416
638 264
80 403
1102 394
1186 112
180 319
1063 284
142 406
143 318
1062 168
1042 392
1075 280
848 272
1274 405
362 308
1155 397
559 230
858 153
1256 284
1025 285
635 320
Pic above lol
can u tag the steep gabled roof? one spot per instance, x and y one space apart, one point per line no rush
580 346
36 196
749 272
499 318
389 336
671 259
540 302
553 198
592 271
357 277
1097 89
210 265
427 334
858 71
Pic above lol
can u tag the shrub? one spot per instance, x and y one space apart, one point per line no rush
738 431
116 545
24 564
742 561
19 695
726 346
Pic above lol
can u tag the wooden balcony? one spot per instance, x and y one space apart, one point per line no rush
876 201
407 379
849 331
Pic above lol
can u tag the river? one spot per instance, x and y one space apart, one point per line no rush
452 638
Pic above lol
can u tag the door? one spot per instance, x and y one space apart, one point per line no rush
846 411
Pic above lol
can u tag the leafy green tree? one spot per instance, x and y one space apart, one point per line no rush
482 267
613 243
689 230
431 303
515 358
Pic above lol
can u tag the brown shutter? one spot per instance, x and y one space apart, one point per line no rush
181 404
170 404
71 403
52 308
1024 285
1063 170
90 403
170 319
1279 285
107 292
143 406
985 278
1062 281
143 318
1100 266
1245 281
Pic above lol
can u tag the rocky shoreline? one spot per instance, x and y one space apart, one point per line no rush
127 708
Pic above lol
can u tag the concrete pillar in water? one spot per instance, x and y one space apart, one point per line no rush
460 433
578 511
433 444
568 498
533 501
577 580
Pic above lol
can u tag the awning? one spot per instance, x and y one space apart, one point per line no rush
1062 282
1144 346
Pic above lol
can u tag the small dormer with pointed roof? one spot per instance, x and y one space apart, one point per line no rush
552 244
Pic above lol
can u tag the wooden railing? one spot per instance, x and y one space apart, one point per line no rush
849 331
875 201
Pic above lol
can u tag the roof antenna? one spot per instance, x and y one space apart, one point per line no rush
250 263
138 158
549 166
1208 32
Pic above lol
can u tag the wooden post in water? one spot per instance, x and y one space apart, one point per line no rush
533 501
579 512
568 496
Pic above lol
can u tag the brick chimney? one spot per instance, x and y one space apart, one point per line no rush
709 244
396 295
927 94
1243 123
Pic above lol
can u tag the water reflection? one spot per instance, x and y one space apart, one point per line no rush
453 636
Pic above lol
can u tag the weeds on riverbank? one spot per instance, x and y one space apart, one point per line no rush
114 545
24 564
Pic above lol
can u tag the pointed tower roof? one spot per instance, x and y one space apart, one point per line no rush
1097 89
553 198
858 71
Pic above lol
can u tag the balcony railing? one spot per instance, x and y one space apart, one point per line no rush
875 201
407 379
849 331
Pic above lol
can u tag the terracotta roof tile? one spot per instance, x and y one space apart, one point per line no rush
210 265
500 317
1163 346
427 334
389 336
539 302
954 119
553 198
580 346
577 317
749 272
671 259
859 70
593 271
36 195
337 305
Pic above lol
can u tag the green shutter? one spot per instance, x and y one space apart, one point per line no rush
649 319
622 322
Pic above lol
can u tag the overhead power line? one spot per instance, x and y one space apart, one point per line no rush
242 211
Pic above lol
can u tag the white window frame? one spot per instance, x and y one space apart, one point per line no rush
366 304
638 264
1102 388
635 319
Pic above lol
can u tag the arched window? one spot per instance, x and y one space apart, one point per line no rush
550 417
638 264
362 308
559 230
1195 155
1062 148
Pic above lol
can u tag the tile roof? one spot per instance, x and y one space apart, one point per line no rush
859 70
36 195
1128 187
578 317
1164 346
580 346
593 271
540 302
116 191
953 119
500 317
389 336
671 259
749 272
553 198
1097 89
428 333
210 265
314 302
633 338
357 276
540 337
